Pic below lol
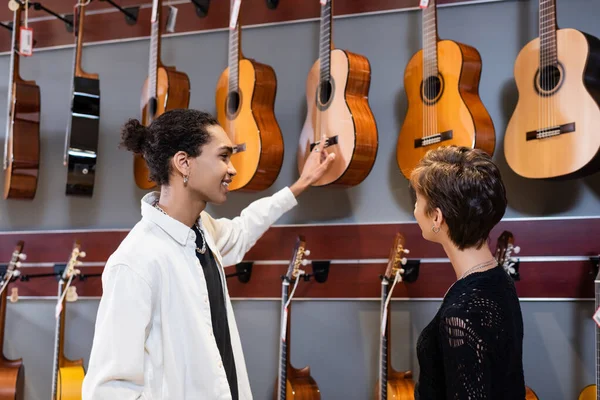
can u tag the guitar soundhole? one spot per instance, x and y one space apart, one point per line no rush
153 106
549 79
233 103
431 89
325 93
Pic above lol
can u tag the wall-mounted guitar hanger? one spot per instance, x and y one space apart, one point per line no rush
201 7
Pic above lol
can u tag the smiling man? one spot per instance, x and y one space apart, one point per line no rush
165 327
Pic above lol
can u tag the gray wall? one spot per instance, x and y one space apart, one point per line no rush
559 345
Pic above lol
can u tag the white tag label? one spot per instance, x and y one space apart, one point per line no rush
597 317
14 295
424 3
234 14
26 41
72 294
172 19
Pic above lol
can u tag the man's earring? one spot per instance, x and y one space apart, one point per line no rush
434 229
185 180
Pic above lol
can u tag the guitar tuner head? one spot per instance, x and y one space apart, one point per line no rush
403 260
305 262
18 264
82 254
406 251
22 256
307 252
516 249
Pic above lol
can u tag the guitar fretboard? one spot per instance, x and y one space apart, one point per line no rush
283 343
548 55
57 340
154 48
325 41
597 291
13 72
234 53
430 57
383 343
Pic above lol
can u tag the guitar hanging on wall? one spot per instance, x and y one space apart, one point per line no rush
391 384
592 392
245 99
81 142
12 372
339 115
164 89
444 108
554 130
22 141
292 383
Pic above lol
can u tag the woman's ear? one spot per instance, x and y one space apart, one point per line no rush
438 217
181 163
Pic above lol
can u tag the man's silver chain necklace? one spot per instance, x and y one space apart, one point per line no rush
203 249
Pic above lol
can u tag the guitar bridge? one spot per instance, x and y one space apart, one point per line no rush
330 141
433 139
551 132
239 148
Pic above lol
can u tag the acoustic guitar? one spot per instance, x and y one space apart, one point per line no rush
505 246
444 108
392 384
81 142
12 372
339 116
164 89
22 141
292 383
592 392
245 99
67 375
553 132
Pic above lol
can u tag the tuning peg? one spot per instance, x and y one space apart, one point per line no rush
307 252
82 254
406 251
305 262
516 249
78 262
511 270
22 256
16 273
18 264
403 261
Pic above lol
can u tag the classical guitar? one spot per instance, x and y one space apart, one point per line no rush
292 383
81 142
22 141
505 246
444 108
12 372
67 375
245 99
553 131
592 392
164 89
391 384
338 113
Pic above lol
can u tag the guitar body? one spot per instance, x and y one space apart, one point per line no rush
400 386
70 381
300 385
588 393
458 107
530 394
12 380
21 176
575 101
345 116
172 92
249 120
83 143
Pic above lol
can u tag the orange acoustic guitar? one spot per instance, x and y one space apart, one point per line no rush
245 98
554 131
22 142
444 108
339 114
12 372
391 384
165 89
292 383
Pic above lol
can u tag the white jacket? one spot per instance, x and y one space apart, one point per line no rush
154 338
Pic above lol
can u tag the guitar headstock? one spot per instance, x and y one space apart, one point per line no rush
70 269
15 260
396 258
504 248
297 258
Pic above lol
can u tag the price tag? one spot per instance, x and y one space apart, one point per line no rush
14 295
72 294
26 41
235 11
171 19
424 3
597 317
13 5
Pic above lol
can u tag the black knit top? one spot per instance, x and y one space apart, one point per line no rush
473 347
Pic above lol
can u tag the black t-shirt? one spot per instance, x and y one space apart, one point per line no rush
218 312
473 347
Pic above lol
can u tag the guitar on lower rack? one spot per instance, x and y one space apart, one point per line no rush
339 116
292 383
81 142
165 89
592 392
391 384
554 130
67 375
245 99
12 372
22 141
444 108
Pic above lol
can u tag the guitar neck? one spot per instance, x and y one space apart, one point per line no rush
235 36
3 302
325 36
59 337
13 75
79 44
548 55
155 38
430 39
597 292
384 351
284 344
